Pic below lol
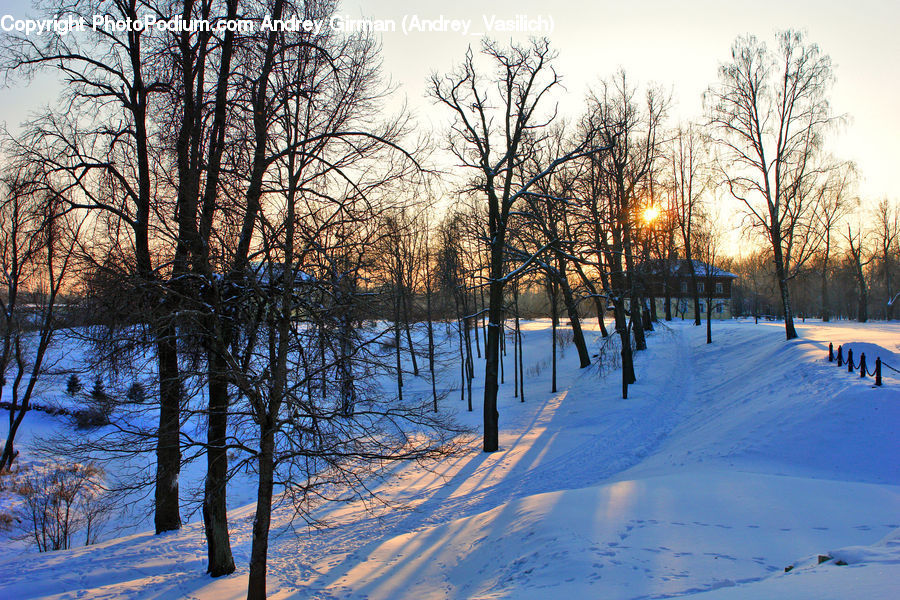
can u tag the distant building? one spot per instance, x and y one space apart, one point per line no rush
655 278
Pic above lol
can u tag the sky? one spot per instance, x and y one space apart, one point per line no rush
677 44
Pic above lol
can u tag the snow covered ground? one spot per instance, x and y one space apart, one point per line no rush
727 464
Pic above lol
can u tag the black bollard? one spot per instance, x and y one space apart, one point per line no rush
878 371
830 352
849 360
862 365
840 356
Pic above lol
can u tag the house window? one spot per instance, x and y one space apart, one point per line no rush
719 308
702 310
700 287
684 287
719 288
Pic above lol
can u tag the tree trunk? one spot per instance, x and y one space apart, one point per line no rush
568 298
397 349
481 312
637 321
215 509
470 363
430 343
462 353
667 292
9 452
601 313
628 375
492 352
695 291
554 324
345 368
478 317
168 449
256 587
577 334
516 341
502 348
521 361
789 331
462 364
599 302
406 311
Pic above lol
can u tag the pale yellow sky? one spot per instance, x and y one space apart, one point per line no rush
675 43
679 44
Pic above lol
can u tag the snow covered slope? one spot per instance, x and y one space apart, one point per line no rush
727 463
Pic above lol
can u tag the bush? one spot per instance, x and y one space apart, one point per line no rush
73 386
564 338
99 407
6 521
62 502
90 418
98 393
136 394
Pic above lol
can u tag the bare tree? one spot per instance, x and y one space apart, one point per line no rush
453 280
833 203
544 221
493 123
707 243
858 258
37 248
688 183
96 147
769 112
62 502
629 130
887 234
324 168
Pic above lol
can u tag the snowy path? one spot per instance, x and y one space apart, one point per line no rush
727 463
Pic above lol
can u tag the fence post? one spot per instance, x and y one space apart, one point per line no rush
849 360
841 356
878 371
862 365
830 352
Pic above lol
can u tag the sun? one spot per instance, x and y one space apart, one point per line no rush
651 213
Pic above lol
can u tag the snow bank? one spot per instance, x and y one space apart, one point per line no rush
728 463
655 537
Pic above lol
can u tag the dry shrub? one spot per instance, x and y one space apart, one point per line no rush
64 502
